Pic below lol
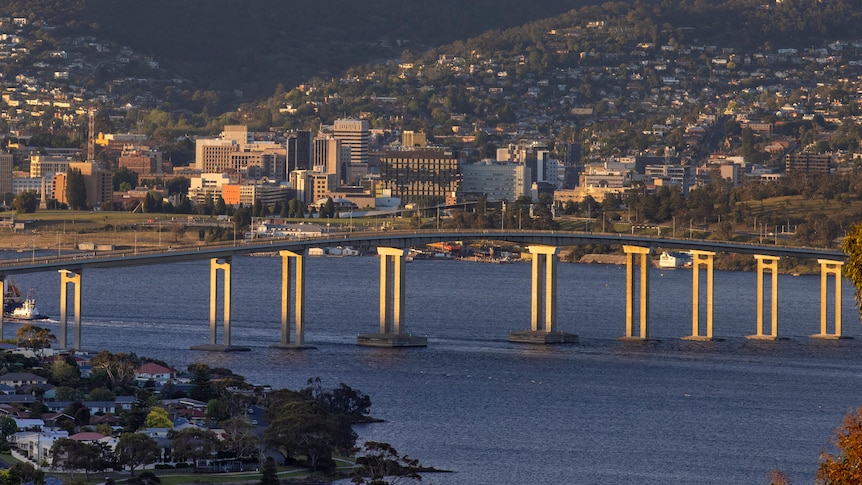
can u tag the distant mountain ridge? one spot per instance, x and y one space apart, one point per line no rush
253 46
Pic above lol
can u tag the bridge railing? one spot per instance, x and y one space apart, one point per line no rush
355 237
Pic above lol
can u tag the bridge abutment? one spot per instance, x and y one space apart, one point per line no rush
766 263
701 258
392 304
543 307
830 267
643 302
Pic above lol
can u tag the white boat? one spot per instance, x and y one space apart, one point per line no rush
674 259
28 310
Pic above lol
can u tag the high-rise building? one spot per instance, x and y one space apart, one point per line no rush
99 184
355 134
424 176
299 151
237 151
6 162
329 157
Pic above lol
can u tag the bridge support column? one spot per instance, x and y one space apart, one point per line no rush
213 344
766 263
828 267
67 277
699 258
391 304
544 276
643 305
298 300
2 303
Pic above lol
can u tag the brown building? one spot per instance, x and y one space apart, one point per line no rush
424 176
807 162
99 184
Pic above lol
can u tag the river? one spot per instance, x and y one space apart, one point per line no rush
494 412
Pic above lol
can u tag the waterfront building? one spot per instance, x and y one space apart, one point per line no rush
424 176
207 185
496 180
236 150
246 194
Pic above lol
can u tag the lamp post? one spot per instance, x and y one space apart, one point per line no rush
33 249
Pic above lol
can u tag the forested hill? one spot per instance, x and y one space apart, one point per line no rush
237 44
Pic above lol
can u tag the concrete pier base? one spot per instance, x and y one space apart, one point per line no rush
542 337
702 338
762 337
220 348
292 346
391 340
829 336
637 339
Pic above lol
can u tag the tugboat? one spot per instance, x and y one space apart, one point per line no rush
27 311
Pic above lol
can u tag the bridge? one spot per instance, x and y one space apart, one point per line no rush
392 248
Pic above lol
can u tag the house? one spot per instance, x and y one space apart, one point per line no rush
155 372
21 379
35 446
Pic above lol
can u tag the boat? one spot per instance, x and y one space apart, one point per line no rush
12 297
27 311
674 259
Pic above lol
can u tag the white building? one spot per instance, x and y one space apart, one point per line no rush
498 181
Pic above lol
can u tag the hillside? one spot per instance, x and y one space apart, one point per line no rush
236 45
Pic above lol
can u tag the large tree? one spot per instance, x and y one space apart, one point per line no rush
76 189
304 428
194 444
26 202
853 269
380 464
30 336
136 449
846 466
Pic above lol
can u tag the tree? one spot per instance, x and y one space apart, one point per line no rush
114 370
36 338
846 466
7 426
158 418
269 475
380 464
26 202
201 382
240 437
853 269
304 428
136 449
76 189
194 444
124 176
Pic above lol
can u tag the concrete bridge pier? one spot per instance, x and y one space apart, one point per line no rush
298 300
828 267
544 277
643 306
392 304
765 263
701 258
70 277
213 344
2 303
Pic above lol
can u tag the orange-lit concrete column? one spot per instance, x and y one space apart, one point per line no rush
299 299
544 263
766 263
543 301
391 289
67 277
828 267
392 304
699 258
2 303
215 266
643 306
